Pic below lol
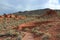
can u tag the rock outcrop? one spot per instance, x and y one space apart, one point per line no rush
50 13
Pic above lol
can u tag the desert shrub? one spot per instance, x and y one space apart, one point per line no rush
8 38
25 29
37 32
45 37
58 36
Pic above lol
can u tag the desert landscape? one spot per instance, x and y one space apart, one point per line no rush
41 24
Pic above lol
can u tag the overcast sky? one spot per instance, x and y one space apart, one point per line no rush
10 6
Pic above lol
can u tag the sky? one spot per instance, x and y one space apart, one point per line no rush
11 6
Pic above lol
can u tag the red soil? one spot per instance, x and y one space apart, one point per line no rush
52 31
33 24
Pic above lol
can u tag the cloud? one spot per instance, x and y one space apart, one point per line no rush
10 6
6 7
35 4
53 4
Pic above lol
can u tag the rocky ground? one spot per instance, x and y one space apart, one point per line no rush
22 27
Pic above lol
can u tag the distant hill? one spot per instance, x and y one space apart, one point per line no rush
35 12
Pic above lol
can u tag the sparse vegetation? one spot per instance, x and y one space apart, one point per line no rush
9 25
45 37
